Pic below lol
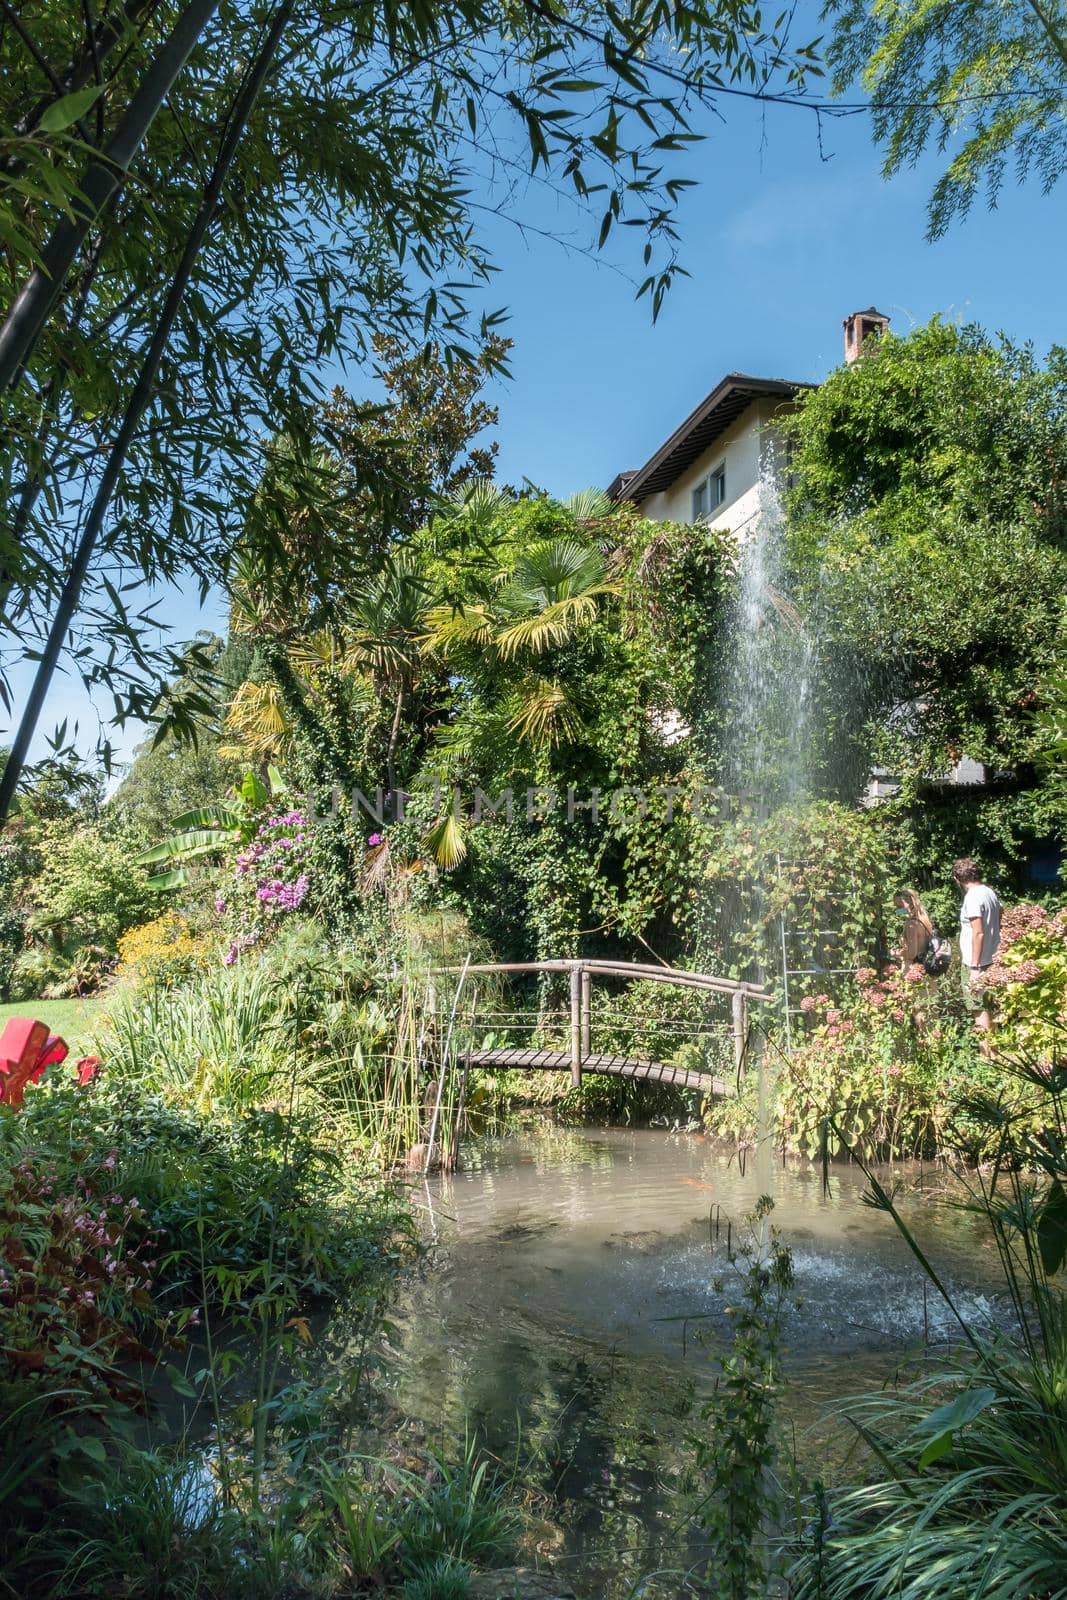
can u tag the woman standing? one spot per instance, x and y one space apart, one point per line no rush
918 929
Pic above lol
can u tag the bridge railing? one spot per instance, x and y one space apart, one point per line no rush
582 972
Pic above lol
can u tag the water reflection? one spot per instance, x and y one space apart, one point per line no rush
569 1313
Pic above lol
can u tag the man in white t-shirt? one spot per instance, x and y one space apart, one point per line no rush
979 936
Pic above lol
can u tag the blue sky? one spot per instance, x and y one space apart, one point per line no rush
781 240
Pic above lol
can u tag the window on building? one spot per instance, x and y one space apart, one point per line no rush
710 493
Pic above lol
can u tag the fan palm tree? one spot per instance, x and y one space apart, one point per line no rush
382 637
551 592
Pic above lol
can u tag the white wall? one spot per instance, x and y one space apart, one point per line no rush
744 447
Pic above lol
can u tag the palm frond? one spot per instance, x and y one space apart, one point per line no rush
451 629
552 570
589 505
445 841
258 719
479 502
552 626
545 714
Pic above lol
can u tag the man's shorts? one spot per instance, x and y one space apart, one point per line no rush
973 992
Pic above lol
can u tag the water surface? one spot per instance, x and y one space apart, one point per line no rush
574 1297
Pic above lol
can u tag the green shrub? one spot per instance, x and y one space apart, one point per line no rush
464 1514
737 1457
89 888
37 972
232 1202
815 875
166 952
217 1042
441 1579
1027 984
887 1073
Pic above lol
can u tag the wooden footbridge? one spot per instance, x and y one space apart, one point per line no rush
577 1025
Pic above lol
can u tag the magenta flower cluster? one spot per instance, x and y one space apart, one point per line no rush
286 896
271 878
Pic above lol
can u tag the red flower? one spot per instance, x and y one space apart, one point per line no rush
86 1069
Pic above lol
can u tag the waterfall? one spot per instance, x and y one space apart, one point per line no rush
770 697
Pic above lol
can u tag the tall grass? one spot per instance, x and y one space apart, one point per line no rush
217 1043
265 1032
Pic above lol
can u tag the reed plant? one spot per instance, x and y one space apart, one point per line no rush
219 1043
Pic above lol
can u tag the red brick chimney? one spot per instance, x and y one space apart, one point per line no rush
859 325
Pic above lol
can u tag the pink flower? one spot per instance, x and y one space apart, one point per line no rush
914 973
893 1071
865 975
822 999
847 1026
374 839
833 1016
808 1003
898 1014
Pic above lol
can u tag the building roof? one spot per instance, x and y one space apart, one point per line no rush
730 397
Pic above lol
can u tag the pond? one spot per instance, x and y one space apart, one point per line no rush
568 1314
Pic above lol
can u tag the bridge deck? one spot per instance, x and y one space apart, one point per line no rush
610 1066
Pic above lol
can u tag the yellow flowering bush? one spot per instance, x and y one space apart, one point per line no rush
164 952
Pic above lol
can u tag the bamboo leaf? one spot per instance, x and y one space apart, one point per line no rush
63 114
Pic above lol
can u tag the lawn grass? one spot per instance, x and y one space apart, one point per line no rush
72 1019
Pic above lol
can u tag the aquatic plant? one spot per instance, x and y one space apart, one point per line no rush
464 1513
967 1492
737 1457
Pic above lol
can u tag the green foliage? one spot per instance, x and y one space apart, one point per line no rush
816 874
884 1074
463 1514
218 1041
237 1205
321 191
88 889
17 861
442 1579
985 82
208 832
419 446
1027 985
153 1523
75 1310
735 1460
165 953
926 541
168 779
968 1461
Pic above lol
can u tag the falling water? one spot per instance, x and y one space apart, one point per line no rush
770 697
770 710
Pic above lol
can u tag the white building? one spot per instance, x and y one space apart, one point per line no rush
725 456
713 466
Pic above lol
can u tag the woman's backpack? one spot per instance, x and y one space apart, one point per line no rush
937 957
